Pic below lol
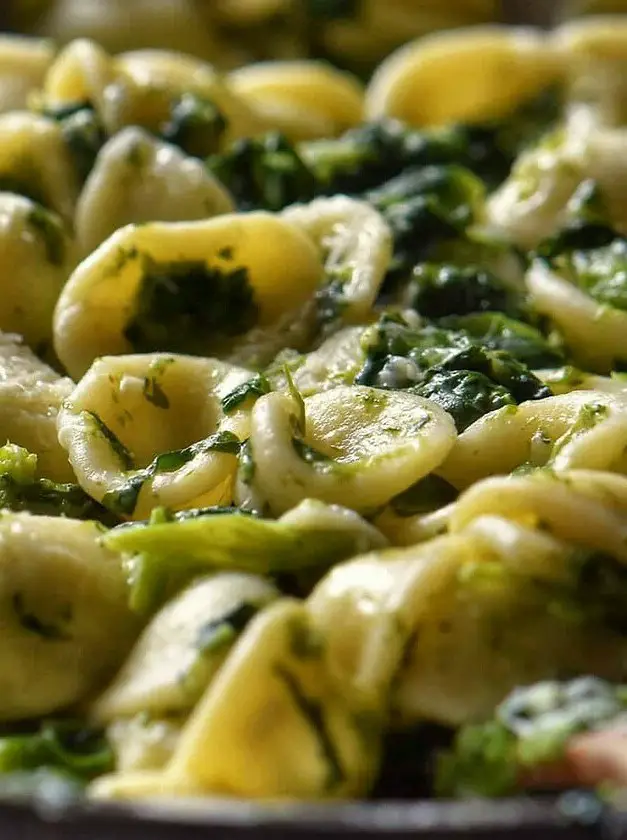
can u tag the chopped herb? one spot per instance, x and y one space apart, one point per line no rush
295 394
154 393
254 388
121 452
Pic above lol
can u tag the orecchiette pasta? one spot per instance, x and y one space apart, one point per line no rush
66 624
31 395
473 76
37 251
34 161
338 484
138 179
23 65
216 278
362 441
149 430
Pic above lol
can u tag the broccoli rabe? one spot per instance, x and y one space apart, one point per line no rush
601 272
530 728
71 747
264 173
196 125
473 382
424 206
22 490
587 224
438 290
185 306
496 331
83 133
445 366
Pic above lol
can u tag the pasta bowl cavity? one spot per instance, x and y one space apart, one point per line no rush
356 440
185 287
188 458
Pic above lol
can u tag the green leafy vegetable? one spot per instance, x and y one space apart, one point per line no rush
185 307
196 125
22 490
83 133
496 331
436 291
167 556
79 751
426 495
254 388
530 728
264 173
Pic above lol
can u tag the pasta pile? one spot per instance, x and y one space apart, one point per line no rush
315 410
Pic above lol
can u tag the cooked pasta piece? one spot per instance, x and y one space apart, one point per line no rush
580 430
183 648
310 86
356 243
66 623
138 179
23 65
148 430
468 75
35 162
477 613
38 254
585 507
31 395
274 695
596 331
355 441
187 287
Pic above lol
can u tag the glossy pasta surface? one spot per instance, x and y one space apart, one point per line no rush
313 382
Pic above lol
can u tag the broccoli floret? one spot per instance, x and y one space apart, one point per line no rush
530 728
439 290
83 133
196 125
183 307
264 173
21 490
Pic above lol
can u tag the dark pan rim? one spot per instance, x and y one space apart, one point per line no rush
523 818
